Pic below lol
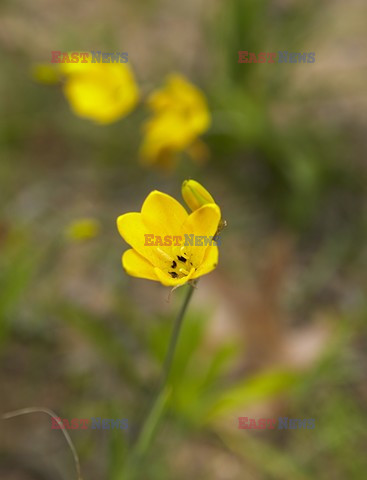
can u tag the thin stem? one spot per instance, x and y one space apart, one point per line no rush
161 397
47 411
174 337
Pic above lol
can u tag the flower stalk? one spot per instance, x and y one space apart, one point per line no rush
174 337
161 397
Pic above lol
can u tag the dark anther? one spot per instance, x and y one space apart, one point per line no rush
173 274
182 259
174 264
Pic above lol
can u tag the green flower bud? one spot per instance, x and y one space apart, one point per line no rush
195 195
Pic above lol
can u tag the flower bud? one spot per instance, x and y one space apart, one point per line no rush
195 195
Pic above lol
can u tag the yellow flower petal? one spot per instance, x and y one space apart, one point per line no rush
137 266
202 222
209 263
162 214
168 281
133 230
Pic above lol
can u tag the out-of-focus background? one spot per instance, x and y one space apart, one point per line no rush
277 330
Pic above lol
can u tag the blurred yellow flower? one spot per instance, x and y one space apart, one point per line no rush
82 229
102 92
172 264
180 115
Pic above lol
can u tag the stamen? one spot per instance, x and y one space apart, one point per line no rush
173 274
182 259
164 255
174 264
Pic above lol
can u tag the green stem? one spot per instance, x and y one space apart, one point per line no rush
160 400
174 337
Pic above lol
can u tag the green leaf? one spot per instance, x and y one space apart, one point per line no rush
259 387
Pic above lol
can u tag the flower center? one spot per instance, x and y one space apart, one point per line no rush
181 265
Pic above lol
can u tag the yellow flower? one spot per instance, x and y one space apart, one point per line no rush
82 229
176 262
102 92
180 115
195 195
